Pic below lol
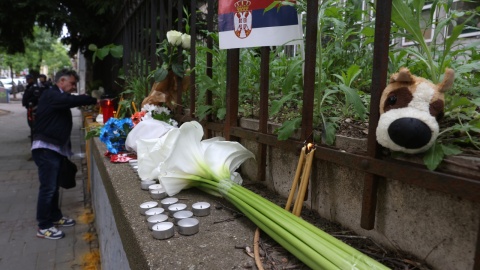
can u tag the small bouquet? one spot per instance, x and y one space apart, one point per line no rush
150 111
114 133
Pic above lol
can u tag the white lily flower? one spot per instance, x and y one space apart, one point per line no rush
151 153
192 158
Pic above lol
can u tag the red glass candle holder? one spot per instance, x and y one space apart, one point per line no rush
107 109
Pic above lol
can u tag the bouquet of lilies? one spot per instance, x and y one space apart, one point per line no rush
114 133
180 160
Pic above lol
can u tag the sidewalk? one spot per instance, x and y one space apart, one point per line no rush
20 248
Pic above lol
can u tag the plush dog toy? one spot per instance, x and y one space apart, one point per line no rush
410 108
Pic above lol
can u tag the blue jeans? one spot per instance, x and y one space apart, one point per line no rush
48 163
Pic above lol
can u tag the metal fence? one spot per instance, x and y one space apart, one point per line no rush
143 23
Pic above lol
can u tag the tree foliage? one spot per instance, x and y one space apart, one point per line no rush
86 20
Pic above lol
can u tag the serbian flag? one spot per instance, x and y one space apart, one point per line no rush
243 23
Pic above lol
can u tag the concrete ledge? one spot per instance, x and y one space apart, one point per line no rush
212 248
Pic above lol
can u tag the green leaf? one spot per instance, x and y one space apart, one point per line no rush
160 74
221 113
328 134
92 47
451 149
202 111
433 157
288 128
117 51
102 52
353 98
178 70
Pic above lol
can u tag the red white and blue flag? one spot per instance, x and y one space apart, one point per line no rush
243 23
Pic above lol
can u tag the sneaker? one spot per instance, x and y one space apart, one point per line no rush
50 233
64 222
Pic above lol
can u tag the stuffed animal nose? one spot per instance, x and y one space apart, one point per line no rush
410 133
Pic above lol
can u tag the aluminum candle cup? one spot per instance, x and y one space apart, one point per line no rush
201 209
181 215
163 230
188 226
147 205
156 219
158 194
133 161
145 184
154 211
155 186
172 209
168 201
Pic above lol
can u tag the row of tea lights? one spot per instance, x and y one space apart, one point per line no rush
184 219
157 219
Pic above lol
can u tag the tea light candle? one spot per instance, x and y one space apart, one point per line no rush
133 161
188 226
158 194
147 205
155 186
153 211
181 215
146 183
156 219
163 230
168 201
172 209
135 167
201 209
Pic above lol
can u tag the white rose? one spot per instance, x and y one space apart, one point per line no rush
186 39
174 37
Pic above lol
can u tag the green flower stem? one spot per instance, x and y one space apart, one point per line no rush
304 253
269 216
275 211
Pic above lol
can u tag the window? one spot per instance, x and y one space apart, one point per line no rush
462 10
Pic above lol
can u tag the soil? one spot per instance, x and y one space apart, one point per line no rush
273 256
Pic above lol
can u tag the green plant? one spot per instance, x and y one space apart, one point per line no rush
136 87
461 124
115 50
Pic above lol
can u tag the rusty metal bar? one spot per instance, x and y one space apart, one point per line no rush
407 172
180 28
233 59
476 263
263 119
153 34
379 80
142 12
310 62
170 15
193 56
209 68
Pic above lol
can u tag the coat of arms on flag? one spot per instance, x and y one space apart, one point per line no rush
244 23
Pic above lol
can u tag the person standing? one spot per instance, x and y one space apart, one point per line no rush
51 144
30 99
43 81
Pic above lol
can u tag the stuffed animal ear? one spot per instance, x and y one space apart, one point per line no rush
447 82
403 75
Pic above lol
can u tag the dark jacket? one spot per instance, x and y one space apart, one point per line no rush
53 122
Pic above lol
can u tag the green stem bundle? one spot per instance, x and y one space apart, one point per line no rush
308 243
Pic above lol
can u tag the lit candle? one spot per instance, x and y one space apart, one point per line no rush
156 219
163 230
201 209
153 211
168 201
147 205
172 209
146 183
188 226
181 215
